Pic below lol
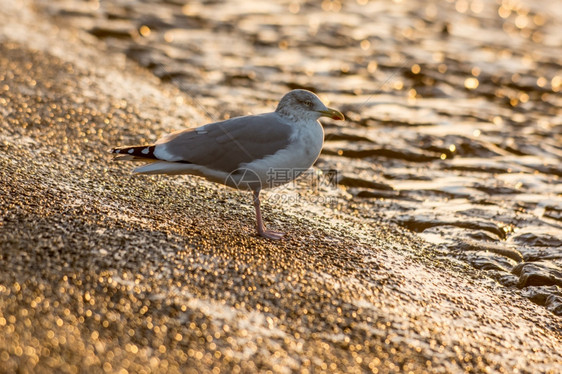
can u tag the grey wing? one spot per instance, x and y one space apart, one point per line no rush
226 144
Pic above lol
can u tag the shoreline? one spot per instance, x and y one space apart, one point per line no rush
102 270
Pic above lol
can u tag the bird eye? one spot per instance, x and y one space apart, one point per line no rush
308 103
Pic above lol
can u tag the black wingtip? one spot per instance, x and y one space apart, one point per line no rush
143 151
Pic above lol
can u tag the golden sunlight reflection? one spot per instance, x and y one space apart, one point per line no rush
144 30
365 44
471 83
461 6
331 5
556 83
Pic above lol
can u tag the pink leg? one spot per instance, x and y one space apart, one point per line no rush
262 231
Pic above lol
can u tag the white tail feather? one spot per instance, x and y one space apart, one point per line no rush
165 167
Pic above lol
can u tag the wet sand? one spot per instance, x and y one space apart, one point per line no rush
454 126
102 271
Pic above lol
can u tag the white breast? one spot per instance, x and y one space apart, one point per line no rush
287 164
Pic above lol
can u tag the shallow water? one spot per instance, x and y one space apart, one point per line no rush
454 119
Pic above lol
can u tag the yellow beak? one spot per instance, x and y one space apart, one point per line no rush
332 113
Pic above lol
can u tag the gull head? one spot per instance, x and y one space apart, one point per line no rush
304 105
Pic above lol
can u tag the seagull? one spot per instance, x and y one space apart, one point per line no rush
249 153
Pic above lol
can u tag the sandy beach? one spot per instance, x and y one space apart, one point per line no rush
105 271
